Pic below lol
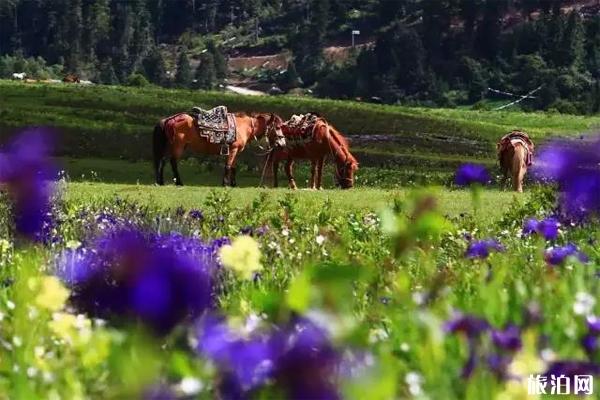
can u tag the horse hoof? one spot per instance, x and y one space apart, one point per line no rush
320 188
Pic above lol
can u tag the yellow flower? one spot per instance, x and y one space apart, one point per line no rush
63 326
51 294
242 256
73 329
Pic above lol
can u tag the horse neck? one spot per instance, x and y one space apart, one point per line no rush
338 149
259 127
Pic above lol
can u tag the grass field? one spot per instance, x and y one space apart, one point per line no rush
451 203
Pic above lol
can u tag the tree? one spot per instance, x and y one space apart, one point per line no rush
206 75
107 74
154 65
220 62
572 42
183 77
290 78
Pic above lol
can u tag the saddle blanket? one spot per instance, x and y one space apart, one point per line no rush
215 125
300 129
515 137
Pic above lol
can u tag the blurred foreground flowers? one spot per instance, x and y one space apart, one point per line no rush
27 174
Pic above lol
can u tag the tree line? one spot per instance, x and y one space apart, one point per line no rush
427 52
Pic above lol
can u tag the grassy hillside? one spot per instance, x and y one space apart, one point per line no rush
116 122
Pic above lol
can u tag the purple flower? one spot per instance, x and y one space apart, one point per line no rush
27 172
161 280
250 361
590 343
482 248
557 255
299 359
262 230
468 174
548 228
246 230
508 339
570 368
196 214
574 167
530 226
470 325
593 324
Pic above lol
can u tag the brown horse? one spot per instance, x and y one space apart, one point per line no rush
515 154
178 132
314 142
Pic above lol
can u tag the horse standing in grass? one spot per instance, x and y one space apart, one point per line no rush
178 132
515 154
311 137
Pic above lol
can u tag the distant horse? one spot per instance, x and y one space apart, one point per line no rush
71 78
515 154
174 134
314 141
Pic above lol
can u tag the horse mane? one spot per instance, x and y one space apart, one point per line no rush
343 143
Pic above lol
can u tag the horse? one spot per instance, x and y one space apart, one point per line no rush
515 154
71 78
174 134
314 142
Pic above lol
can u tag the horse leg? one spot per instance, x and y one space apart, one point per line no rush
160 168
320 173
504 178
313 174
289 165
229 172
175 169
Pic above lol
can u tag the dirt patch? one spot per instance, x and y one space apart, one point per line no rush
273 62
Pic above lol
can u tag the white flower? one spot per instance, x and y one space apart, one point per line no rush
320 239
414 381
377 335
285 232
10 305
404 347
584 304
17 341
190 386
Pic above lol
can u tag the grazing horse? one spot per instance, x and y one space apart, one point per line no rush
515 154
314 141
178 132
71 78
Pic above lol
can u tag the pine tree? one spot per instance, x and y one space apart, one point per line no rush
107 74
221 68
183 77
154 65
290 78
206 75
572 43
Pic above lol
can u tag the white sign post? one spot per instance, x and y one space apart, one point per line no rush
354 32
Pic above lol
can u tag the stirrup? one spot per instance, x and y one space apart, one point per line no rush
224 150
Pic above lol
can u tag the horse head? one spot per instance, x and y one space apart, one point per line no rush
273 124
344 171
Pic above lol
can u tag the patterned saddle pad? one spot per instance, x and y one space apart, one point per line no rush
298 130
216 124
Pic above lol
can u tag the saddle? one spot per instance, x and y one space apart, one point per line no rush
516 137
300 128
216 125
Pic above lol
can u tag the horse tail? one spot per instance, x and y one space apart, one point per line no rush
159 144
518 166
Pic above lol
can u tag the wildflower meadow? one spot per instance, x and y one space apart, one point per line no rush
119 299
